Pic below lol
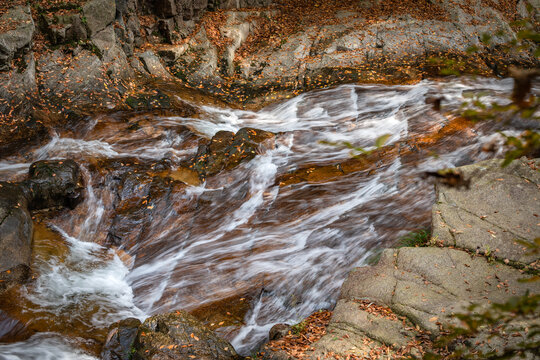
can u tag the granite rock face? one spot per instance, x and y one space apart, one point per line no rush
98 14
16 33
500 207
354 47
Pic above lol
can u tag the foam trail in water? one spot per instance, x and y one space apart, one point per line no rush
43 347
59 148
262 176
89 276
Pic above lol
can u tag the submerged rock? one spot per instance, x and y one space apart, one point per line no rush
120 341
179 335
11 329
227 150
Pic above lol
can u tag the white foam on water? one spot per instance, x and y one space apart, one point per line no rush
90 276
44 346
263 175
74 148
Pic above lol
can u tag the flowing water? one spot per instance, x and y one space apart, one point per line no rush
246 242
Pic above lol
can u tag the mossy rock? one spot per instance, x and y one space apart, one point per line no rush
179 335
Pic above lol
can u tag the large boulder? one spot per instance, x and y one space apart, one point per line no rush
16 32
98 14
498 210
177 335
57 183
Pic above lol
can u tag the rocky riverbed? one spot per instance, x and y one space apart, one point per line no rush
171 186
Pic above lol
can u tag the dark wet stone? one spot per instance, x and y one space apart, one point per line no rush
179 335
227 150
120 341
149 101
54 183
211 157
278 331
50 184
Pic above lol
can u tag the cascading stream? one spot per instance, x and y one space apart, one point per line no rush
287 249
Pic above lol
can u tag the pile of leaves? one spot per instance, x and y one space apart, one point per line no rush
302 335
5 5
378 310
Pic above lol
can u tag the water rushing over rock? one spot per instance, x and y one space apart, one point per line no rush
280 231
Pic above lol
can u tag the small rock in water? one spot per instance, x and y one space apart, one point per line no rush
54 183
278 331
186 175
179 335
119 343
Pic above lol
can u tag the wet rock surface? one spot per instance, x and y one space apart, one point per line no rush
120 340
227 150
50 184
54 183
179 335
11 329
416 291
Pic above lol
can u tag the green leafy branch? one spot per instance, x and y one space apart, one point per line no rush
357 151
